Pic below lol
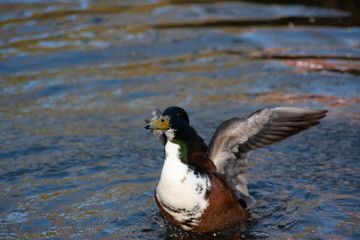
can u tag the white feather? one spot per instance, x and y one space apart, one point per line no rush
178 187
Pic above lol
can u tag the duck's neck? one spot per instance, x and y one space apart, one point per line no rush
179 149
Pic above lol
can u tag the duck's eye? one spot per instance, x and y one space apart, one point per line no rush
162 120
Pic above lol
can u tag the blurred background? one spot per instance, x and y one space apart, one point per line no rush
78 78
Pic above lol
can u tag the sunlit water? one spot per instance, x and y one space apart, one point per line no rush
78 78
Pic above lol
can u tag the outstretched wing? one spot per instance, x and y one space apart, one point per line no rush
157 133
235 137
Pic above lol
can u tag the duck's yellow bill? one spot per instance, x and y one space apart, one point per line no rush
160 124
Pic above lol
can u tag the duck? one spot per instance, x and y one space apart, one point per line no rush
203 188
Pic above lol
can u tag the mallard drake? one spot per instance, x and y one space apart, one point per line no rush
203 187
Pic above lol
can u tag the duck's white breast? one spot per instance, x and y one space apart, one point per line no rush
181 190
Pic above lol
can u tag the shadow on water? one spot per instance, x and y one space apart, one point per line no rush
77 78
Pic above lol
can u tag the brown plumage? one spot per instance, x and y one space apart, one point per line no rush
224 208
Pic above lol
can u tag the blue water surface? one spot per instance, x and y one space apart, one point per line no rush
78 78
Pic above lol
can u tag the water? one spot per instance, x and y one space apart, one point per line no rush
77 78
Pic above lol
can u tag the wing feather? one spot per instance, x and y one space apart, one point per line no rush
235 137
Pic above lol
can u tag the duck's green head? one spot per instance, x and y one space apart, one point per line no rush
174 123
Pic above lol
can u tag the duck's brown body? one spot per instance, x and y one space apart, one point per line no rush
218 169
224 209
